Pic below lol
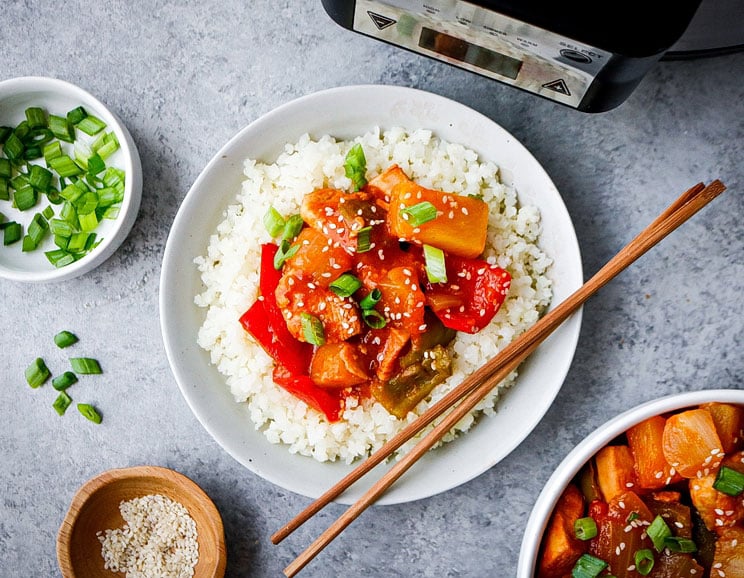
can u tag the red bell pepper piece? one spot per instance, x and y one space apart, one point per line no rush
265 322
472 295
327 401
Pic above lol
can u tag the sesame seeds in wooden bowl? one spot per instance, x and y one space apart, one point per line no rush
130 506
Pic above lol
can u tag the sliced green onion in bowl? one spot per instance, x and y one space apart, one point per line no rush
273 221
644 561
729 481
585 528
345 285
364 239
681 545
355 166
588 566
419 213
292 227
371 299
312 329
436 269
658 531
373 318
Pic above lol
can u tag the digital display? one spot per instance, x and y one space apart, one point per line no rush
472 54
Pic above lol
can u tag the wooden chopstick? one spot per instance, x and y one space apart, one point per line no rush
472 390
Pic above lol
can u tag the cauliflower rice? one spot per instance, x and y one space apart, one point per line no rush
230 271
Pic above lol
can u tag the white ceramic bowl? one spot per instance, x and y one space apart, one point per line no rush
58 97
583 452
345 113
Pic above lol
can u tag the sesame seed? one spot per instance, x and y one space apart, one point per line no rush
322 306
311 285
422 327
621 504
464 211
325 275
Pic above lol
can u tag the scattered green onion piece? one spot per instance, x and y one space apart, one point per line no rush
25 198
32 152
346 285
5 132
37 373
68 213
86 203
658 531
679 544
644 561
91 125
88 221
89 412
12 232
36 230
417 215
286 251
64 166
61 128
22 130
4 189
65 339
77 242
292 227
729 481
60 257
82 153
111 213
74 191
48 212
436 270
355 166
312 329
85 365
62 242
373 318
64 380
39 178
588 566
19 181
13 147
38 137
585 528
51 151
62 402
6 168
371 299
364 242
110 146
36 117
96 164
28 244
273 221
107 197
76 115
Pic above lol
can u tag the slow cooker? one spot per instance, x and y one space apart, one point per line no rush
586 55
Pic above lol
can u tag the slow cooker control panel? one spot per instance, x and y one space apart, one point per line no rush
486 42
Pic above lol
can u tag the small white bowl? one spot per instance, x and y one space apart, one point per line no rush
58 97
583 452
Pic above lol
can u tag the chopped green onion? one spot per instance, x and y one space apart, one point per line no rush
78 242
312 329
5 132
32 152
12 232
36 117
292 227
61 128
65 339
89 412
588 566
371 299
4 189
22 130
285 252
48 212
63 381
13 147
59 257
85 365
420 213
68 213
37 373
644 561
51 151
61 242
25 198
373 318
96 164
62 402
679 544
88 221
729 481
108 146
64 166
658 531
76 115
273 221
37 228
346 285
39 178
355 166
585 528
6 168
91 125
436 270
364 242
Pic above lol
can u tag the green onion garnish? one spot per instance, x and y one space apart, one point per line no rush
76 115
5 132
37 373
12 232
62 402
89 412
678 544
91 125
374 319
346 285
371 299
286 251
4 189
59 257
364 239
292 227
64 166
644 561
658 531
355 166
588 566
420 213
61 128
6 168
729 481
35 117
585 528
436 271
273 221
65 339
13 147
25 198
312 329
63 381
85 365
40 178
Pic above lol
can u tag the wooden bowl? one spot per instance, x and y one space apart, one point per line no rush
95 508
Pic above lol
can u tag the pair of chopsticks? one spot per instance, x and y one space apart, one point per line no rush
461 400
